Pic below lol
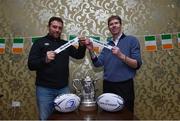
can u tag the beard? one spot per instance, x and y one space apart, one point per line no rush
55 35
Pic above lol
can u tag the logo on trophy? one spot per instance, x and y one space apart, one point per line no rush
86 90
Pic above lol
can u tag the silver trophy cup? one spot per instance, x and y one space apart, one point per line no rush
86 90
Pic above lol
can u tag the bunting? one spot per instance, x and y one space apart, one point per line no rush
34 39
150 43
71 37
18 45
96 47
166 40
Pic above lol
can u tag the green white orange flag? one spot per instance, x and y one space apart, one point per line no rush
2 45
96 47
109 39
18 45
178 40
34 39
166 40
150 43
71 37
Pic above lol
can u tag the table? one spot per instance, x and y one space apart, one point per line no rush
98 114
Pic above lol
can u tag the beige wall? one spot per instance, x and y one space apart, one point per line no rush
157 83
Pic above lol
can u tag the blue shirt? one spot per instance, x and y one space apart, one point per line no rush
115 70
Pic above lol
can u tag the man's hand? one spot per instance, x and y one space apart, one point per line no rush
116 51
86 41
82 40
89 44
50 55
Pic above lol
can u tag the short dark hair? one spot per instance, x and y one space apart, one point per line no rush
114 17
54 18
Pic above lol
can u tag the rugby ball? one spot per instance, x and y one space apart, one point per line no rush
66 102
110 102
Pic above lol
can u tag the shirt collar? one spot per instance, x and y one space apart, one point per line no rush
117 39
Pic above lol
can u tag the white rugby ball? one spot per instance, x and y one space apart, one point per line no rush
66 102
110 102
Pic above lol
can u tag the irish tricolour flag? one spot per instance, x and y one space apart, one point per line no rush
150 43
96 47
71 37
18 45
179 40
166 40
34 39
2 45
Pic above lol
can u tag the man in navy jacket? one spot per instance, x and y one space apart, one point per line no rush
52 70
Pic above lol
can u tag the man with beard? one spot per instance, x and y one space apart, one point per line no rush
52 69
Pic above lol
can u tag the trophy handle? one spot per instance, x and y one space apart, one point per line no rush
75 81
94 82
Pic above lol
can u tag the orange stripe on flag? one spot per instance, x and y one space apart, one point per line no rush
17 50
96 49
151 48
167 46
179 44
2 50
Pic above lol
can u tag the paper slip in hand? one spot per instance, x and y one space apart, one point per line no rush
63 47
101 43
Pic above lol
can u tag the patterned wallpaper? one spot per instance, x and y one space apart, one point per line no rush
157 84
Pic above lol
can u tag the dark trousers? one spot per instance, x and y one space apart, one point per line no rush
124 89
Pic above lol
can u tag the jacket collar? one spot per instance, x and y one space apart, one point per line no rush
122 36
51 37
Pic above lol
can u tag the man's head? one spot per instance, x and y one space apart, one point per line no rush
114 25
55 26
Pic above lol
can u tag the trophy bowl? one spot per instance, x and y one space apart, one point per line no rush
86 93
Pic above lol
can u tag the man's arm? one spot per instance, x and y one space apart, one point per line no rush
129 61
77 53
36 59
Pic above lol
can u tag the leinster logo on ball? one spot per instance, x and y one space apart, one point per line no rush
70 104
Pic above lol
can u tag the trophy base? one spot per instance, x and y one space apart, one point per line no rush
88 106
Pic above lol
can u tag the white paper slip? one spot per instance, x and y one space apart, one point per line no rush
101 43
63 47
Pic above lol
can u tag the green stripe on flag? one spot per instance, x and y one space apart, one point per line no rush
18 40
166 36
178 35
2 40
150 38
72 37
109 38
35 39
